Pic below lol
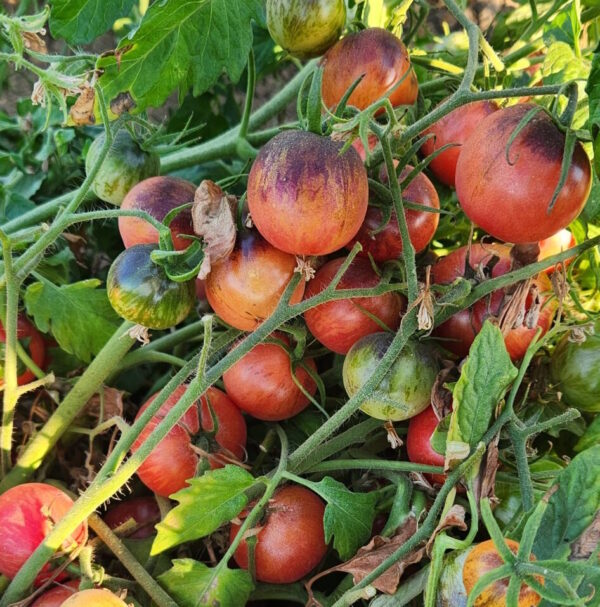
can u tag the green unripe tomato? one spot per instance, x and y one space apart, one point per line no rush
451 589
576 368
140 291
306 28
125 165
406 388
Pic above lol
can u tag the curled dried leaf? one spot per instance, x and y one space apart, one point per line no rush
140 333
82 111
585 545
104 405
455 517
34 42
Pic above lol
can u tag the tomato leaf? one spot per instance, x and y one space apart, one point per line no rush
348 516
565 27
78 315
571 509
484 378
187 582
591 436
440 436
179 44
80 21
211 500
593 90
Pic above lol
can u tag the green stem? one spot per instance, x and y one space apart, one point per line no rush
374 464
251 76
519 444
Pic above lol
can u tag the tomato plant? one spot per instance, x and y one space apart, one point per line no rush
143 511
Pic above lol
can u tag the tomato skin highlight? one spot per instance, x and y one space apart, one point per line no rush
510 201
157 196
28 512
384 60
418 443
304 198
557 243
96 597
305 29
143 510
173 461
245 288
338 325
125 165
140 291
36 347
261 382
291 542
405 390
56 596
455 127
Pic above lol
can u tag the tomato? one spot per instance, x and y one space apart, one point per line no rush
140 291
338 325
304 197
261 382
456 127
291 541
28 513
405 390
510 199
33 341
387 244
575 367
418 443
357 144
96 597
174 460
245 288
144 511
125 165
557 243
200 289
305 29
158 196
56 596
384 61
482 559
451 590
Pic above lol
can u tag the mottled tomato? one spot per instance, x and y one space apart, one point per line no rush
557 243
57 595
418 443
305 29
291 541
144 511
338 325
454 128
484 558
304 197
245 288
158 196
95 597
405 390
28 513
261 382
125 165
32 341
575 366
175 460
510 198
140 291
451 589
387 244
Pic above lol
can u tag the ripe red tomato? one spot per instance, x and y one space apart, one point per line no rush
174 461
245 288
338 325
304 197
455 127
57 595
418 443
143 510
261 382
291 542
28 513
33 341
96 597
557 243
384 61
387 244
510 199
157 196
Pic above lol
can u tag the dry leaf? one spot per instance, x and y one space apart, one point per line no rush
441 397
486 479
213 217
583 547
82 111
455 517
122 103
110 405
34 42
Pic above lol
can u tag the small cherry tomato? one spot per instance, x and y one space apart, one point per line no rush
28 513
261 382
291 541
338 325
32 341
245 288
557 243
125 165
95 597
383 60
405 390
175 459
144 511
158 196
304 197
57 595
140 291
418 443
